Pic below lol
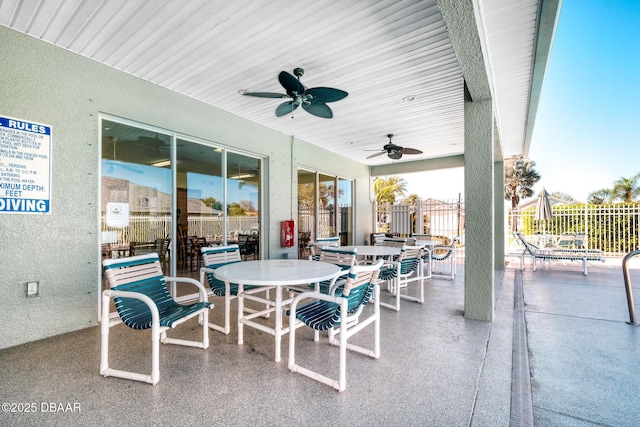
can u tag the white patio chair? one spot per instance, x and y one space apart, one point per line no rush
445 254
322 242
581 255
378 238
213 258
566 241
341 314
344 259
141 297
328 241
407 269
580 241
340 257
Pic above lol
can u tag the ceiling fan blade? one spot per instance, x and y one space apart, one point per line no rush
410 151
266 94
318 109
379 153
290 83
326 94
286 108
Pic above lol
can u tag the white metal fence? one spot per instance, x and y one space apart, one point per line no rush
435 217
612 228
144 228
327 218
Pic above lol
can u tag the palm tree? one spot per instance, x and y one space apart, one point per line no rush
387 189
626 189
411 199
519 178
599 197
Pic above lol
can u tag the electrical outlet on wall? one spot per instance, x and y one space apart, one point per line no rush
33 289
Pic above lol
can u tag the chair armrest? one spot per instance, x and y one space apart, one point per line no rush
342 301
316 295
194 282
387 264
155 314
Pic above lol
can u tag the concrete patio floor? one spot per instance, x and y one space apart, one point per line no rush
437 368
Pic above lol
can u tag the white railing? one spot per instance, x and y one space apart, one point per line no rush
326 221
612 228
144 228
435 217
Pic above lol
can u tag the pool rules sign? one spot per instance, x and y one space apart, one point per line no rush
25 167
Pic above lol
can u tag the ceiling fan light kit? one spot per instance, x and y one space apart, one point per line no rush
313 100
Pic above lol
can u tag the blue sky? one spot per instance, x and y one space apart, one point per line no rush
587 130
200 186
588 126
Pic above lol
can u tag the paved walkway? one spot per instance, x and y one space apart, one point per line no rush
584 357
437 368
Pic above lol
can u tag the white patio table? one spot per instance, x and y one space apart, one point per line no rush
271 273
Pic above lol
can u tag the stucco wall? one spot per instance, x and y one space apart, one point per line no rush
45 84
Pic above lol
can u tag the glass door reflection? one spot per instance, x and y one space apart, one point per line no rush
243 204
199 201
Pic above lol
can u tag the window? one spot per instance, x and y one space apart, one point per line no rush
160 190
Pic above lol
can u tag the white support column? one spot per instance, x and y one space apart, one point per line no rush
499 225
479 206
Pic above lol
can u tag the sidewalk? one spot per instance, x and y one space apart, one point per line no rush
584 358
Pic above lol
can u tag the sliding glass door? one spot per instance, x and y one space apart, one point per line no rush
323 211
243 203
136 191
326 198
170 194
345 211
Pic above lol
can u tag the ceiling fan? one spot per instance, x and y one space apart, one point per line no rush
113 163
394 151
313 100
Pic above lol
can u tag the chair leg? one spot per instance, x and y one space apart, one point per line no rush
104 352
205 330
391 286
342 378
104 332
155 354
227 315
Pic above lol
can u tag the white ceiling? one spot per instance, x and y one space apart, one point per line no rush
379 51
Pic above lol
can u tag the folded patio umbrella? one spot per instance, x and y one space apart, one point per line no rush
543 207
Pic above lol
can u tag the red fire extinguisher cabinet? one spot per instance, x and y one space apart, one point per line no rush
286 234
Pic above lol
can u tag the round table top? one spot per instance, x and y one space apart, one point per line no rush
270 272
373 250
